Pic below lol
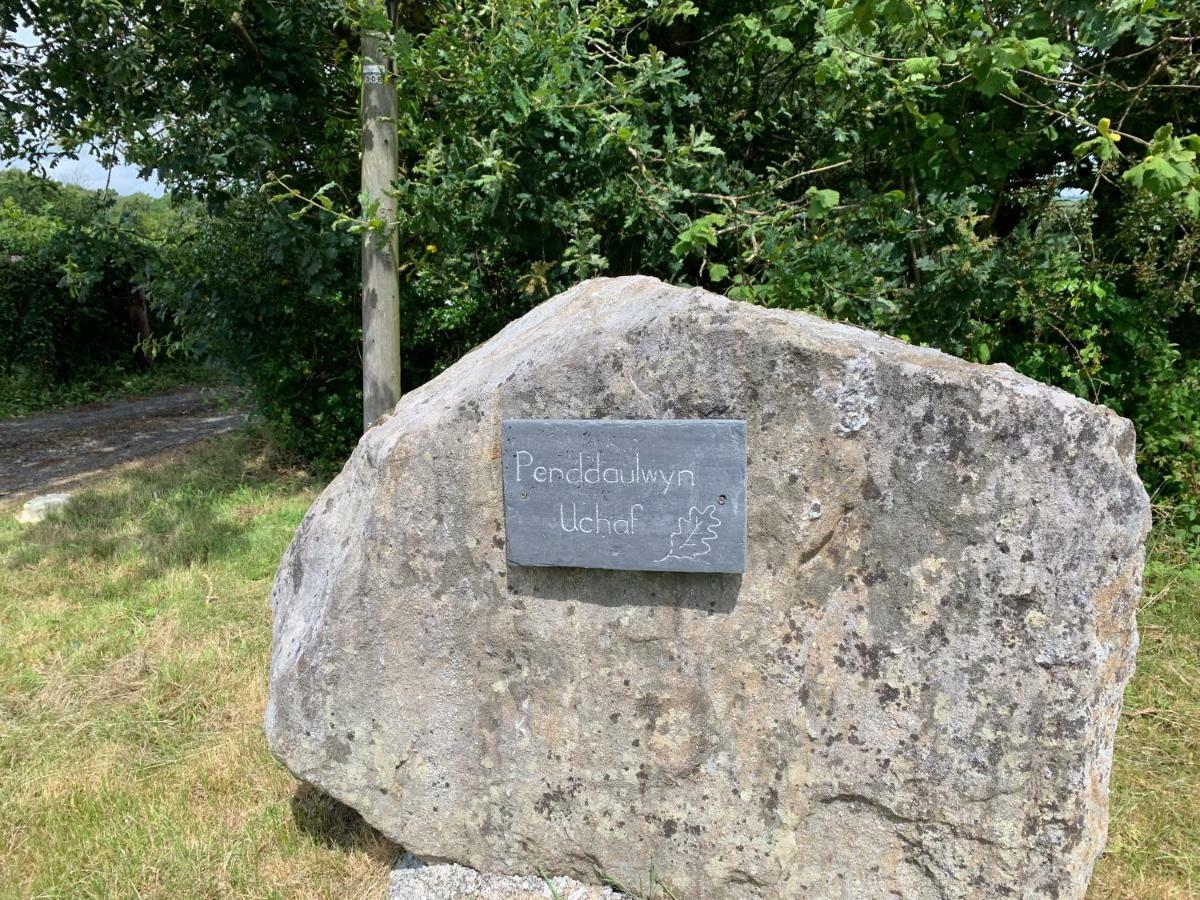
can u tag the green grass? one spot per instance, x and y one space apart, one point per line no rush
23 392
134 639
1154 833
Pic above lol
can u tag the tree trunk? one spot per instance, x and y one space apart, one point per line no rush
139 318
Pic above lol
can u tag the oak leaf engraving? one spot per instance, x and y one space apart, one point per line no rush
695 534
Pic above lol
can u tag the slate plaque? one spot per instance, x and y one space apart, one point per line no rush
653 495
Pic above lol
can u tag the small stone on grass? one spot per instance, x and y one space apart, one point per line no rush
39 508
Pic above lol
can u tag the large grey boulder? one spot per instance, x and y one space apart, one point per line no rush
912 691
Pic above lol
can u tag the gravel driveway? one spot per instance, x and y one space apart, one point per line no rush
55 450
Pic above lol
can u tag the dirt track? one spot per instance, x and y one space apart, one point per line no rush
53 451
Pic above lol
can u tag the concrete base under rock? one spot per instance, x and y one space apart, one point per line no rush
413 880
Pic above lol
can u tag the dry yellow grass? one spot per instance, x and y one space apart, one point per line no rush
136 634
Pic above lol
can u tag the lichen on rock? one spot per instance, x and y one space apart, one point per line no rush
912 690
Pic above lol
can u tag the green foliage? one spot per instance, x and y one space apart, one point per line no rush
270 301
1010 182
920 170
1169 167
30 298
207 94
70 260
249 87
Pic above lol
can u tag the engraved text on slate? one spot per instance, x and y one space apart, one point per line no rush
653 495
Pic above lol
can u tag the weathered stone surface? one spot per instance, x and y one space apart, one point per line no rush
911 691
413 880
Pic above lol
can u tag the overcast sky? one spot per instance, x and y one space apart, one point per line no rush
87 171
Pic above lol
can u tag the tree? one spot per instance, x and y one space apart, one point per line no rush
218 99
1009 182
71 265
211 96
1006 182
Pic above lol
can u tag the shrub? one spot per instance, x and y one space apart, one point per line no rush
69 263
275 303
1010 182
922 173
31 298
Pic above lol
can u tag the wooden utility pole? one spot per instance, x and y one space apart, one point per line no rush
380 278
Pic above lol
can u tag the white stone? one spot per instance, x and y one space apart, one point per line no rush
40 508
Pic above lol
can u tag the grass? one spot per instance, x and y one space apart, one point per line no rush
23 392
652 888
134 638
1154 833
